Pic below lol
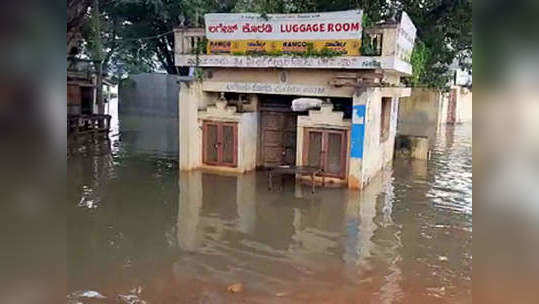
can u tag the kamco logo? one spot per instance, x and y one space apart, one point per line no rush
295 44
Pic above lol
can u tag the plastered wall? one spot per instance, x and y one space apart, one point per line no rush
198 106
464 105
369 155
423 113
190 155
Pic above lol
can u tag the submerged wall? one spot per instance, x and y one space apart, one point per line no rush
464 105
148 112
422 113
150 94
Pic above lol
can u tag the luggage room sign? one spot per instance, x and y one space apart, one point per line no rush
284 33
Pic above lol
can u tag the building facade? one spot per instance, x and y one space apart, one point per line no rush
237 114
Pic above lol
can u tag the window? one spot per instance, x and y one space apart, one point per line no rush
385 118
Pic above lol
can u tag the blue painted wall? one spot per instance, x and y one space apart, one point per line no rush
358 131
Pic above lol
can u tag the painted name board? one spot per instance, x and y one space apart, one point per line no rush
342 62
284 33
405 38
265 88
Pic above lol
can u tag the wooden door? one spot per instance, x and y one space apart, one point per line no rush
229 144
326 149
211 143
278 138
220 144
335 153
315 149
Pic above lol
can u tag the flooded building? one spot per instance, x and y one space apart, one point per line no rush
84 113
82 87
302 90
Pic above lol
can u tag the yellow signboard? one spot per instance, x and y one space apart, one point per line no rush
345 47
331 33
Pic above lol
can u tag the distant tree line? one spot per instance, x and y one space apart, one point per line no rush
133 36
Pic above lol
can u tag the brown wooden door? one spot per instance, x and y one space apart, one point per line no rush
220 144
229 144
326 149
335 153
278 138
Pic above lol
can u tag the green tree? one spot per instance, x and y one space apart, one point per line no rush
444 28
146 29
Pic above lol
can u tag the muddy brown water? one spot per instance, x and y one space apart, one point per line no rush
141 232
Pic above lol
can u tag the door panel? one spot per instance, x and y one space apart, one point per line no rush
278 140
228 143
273 137
290 122
211 144
272 120
334 160
315 151
273 155
289 142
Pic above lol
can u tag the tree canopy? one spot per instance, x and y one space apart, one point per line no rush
137 34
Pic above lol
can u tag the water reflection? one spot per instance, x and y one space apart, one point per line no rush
328 243
141 231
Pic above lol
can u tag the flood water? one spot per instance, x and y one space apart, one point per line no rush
141 232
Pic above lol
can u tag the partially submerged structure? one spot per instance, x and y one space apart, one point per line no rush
150 94
237 114
83 113
427 111
148 110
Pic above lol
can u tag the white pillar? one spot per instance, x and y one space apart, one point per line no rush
190 134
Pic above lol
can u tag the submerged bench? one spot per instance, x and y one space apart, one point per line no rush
296 170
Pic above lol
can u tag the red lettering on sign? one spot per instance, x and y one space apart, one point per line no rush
330 27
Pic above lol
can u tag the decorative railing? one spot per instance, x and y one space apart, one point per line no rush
372 42
92 124
191 41
188 40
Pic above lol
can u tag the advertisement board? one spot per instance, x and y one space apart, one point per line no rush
338 32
